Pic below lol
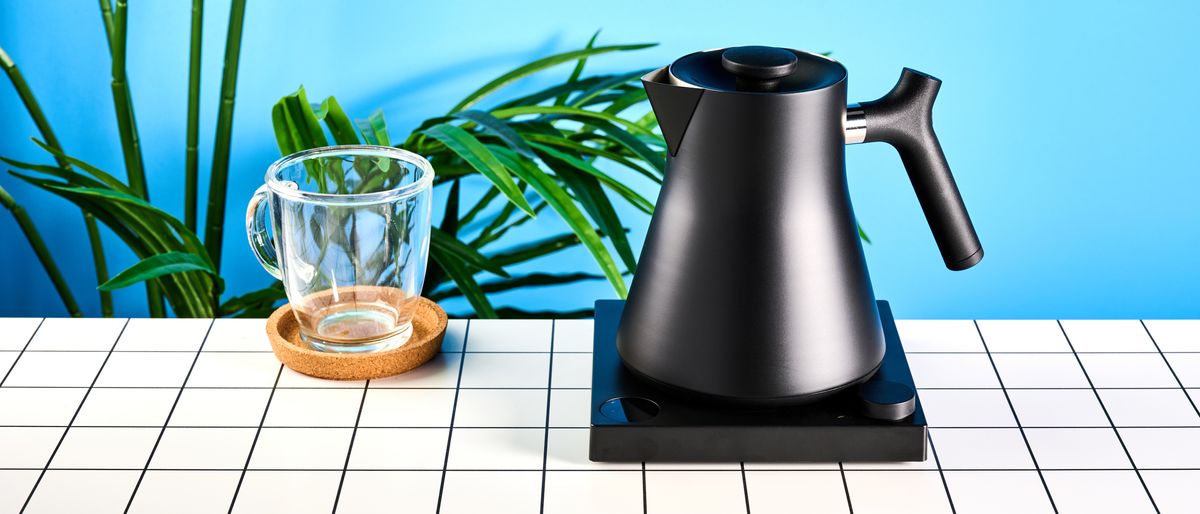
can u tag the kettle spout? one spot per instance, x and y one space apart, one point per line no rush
673 103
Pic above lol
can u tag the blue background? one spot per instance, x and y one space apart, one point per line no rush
1068 126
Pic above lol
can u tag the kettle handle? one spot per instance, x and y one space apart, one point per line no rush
903 118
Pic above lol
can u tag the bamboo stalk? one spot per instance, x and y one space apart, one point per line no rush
192 162
43 126
215 222
43 253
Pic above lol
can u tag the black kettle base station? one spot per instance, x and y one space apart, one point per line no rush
636 421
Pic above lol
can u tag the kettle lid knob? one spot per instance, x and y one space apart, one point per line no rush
759 68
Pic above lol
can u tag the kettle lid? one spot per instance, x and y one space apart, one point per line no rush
761 69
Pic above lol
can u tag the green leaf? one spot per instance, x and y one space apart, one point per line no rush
339 124
537 66
101 175
449 246
301 115
585 96
256 304
465 282
374 129
572 113
157 266
530 280
861 233
499 129
589 194
635 145
575 73
481 159
534 249
561 202
617 186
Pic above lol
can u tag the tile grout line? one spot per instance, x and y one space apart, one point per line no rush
846 486
1016 417
79 408
941 473
254 442
1104 408
22 352
462 363
745 486
1171 368
137 485
645 499
350 450
546 435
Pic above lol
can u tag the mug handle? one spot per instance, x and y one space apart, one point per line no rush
257 216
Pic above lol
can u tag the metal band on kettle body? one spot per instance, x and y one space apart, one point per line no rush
855 124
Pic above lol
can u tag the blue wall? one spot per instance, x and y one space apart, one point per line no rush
1068 126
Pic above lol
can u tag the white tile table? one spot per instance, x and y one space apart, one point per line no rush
152 416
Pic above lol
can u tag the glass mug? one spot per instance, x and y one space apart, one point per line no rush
349 238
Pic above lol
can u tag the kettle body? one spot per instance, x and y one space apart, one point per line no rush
752 286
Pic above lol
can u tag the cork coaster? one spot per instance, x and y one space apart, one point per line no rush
429 327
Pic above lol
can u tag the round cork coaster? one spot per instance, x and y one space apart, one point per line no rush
429 327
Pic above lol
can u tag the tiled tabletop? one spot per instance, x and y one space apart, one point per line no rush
175 416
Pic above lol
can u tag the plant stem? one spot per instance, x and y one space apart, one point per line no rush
43 126
215 222
193 118
43 253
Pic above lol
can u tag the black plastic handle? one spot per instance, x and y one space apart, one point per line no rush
904 119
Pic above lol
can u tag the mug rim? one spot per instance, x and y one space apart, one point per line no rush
423 182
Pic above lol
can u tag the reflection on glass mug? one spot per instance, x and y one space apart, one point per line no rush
349 238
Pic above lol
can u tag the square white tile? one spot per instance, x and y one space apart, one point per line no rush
291 378
314 408
1165 448
381 492
952 370
1149 407
234 370
1173 490
1128 370
890 492
163 334
1023 370
593 492
97 491
293 492
1186 366
501 408
998 492
1077 448
981 448
39 406
939 336
1090 492
105 448
15 333
126 407
28 447
456 332
1058 408
18 483
493 492
695 492
573 335
693 466
77 334
500 370
794 466
567 449
440 372
570 408
238 335
301 448
496 448
1110 335
509 335
55 369
399 448
783 492
185 492
1023 335
203 448
407 408
966 408
572 370
220 407
144 369
1175 335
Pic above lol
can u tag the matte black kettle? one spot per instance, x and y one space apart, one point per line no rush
752 286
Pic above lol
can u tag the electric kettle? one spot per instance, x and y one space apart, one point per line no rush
752 287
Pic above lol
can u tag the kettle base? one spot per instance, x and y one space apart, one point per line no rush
635 420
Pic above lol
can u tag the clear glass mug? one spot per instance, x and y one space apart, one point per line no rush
349 238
